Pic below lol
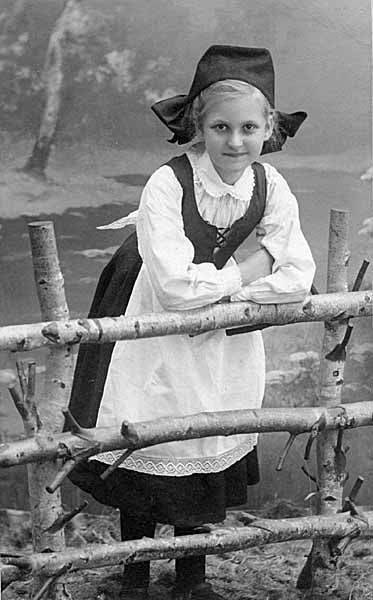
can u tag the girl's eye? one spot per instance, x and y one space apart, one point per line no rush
249 127
220 127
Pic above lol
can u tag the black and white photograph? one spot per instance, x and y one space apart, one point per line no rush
186 300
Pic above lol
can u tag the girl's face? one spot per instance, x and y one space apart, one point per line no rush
234 131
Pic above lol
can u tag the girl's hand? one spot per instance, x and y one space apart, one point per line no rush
258 264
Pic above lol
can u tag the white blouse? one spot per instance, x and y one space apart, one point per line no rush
180 375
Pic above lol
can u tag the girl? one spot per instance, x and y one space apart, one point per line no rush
193 214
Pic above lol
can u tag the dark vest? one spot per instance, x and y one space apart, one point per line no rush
209 243
118 278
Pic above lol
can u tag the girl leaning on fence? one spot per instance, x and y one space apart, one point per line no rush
195 211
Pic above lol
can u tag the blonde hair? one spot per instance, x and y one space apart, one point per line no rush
228 88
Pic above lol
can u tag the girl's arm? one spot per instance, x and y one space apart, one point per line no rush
258 264
280 234
168 254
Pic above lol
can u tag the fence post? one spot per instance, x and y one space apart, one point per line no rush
318 573
46 508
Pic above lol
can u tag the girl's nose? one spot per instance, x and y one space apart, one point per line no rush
235 139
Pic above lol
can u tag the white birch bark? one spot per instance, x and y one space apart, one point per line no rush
218 540
319 571
46 508
43 447
324 307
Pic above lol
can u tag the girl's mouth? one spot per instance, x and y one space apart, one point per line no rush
235 154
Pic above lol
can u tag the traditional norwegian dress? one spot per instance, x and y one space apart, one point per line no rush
186 212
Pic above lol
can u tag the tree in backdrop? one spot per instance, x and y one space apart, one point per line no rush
85 75
70 30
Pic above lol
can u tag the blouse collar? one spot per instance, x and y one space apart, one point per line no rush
206 176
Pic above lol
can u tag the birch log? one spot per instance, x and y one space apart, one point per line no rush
218 316
161 430
218 540
319 571
46 509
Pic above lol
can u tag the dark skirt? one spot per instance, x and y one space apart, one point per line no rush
187 501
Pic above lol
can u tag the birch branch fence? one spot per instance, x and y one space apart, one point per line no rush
50 454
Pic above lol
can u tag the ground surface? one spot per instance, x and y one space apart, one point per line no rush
261 573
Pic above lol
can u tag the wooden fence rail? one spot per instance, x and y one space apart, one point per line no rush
166 429
323 307
225 539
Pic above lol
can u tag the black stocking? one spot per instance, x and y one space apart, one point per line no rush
133 528
189 571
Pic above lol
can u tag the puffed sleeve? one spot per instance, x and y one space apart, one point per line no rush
280 233
168 254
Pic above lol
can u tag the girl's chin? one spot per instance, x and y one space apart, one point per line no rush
236 162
